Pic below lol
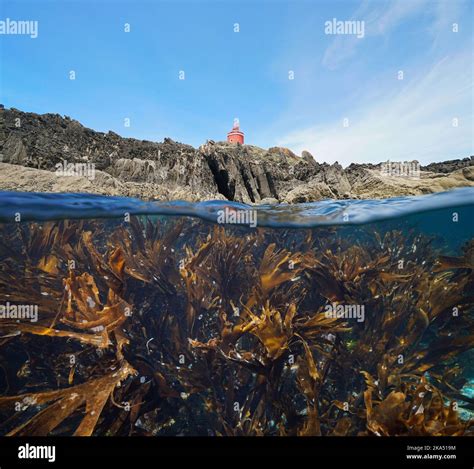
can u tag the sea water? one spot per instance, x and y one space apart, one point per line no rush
349 317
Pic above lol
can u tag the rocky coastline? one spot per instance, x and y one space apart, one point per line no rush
34 146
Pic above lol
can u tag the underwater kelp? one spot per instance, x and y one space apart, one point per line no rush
180 327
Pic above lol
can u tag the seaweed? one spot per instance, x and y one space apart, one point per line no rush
179 327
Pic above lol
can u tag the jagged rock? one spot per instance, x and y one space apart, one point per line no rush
308 157
280 151
449 166
311 192
14 151
172 170
468 172
370 183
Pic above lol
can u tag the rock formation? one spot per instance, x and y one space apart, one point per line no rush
31 145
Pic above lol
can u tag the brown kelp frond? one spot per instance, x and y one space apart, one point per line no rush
99 340
272 331
439 351
148 255
81 310
232 331
277 267
84 309
312 326
62 403
419 410
214 273
221 260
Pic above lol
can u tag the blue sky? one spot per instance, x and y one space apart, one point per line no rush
245 74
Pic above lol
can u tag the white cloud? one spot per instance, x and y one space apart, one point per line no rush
381 18
401 121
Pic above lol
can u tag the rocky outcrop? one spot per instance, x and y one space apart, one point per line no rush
20 178
448 166
32 145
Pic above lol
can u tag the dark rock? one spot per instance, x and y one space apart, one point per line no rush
215 170
449 166
308 157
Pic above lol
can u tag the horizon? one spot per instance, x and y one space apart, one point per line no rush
278 72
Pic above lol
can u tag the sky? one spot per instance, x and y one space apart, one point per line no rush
271 64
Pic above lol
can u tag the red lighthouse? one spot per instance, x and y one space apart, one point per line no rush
236 135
